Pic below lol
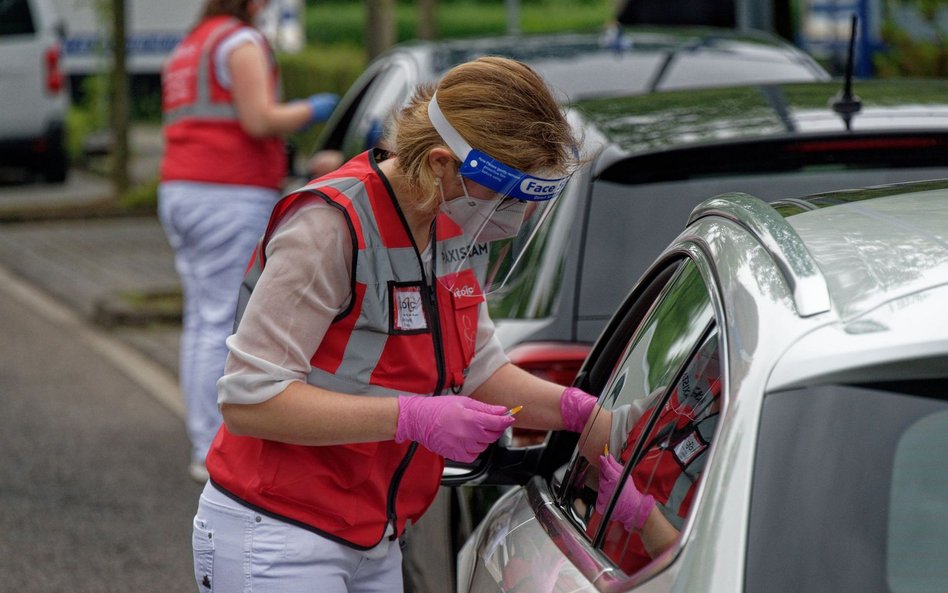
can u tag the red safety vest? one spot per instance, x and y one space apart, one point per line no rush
203 138
399 334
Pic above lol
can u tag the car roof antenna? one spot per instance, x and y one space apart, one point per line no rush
845 103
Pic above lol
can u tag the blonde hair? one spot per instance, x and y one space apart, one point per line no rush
500 106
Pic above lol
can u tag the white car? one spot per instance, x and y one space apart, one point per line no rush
33 91
778 382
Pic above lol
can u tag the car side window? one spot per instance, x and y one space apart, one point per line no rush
663 451
15 18
657 415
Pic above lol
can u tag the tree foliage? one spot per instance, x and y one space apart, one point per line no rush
909 53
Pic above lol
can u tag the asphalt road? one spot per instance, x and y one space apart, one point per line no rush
93 492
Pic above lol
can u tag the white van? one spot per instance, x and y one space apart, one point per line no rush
33 91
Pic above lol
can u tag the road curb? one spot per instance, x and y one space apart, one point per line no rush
105 208
154 380
155 307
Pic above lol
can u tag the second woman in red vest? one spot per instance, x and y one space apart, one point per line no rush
221 173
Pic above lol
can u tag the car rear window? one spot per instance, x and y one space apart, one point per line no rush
15 18
851 490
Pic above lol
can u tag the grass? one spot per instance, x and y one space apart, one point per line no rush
343 22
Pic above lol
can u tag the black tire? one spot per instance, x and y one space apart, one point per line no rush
55 167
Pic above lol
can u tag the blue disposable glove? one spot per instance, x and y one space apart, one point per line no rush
321 106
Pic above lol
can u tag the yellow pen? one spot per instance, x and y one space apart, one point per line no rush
605 449
512 411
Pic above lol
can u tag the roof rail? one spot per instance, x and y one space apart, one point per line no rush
780 240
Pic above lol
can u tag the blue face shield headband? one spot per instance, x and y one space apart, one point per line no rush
491 173
501 231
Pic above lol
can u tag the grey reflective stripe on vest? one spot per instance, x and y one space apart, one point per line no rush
376 266
202 107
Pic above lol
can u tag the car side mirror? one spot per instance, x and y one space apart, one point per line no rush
499 465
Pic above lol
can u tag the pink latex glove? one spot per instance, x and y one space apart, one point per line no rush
633 507
453 426
575 406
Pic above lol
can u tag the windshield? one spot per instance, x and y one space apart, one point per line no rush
851 490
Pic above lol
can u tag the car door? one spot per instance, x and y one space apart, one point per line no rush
661 383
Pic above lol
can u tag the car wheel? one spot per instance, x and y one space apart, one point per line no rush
54 167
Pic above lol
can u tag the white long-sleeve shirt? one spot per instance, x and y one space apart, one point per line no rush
304 286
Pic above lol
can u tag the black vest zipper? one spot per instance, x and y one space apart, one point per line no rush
439 361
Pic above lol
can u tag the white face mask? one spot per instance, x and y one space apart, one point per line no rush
485 220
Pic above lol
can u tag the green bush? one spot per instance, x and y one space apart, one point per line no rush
343 22
88 116
911 57
143 196
319 69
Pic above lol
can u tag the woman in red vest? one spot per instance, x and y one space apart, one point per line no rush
364 354
222 172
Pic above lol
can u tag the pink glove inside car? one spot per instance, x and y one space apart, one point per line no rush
633 507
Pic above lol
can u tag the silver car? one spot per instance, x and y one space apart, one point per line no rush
778 382
577 66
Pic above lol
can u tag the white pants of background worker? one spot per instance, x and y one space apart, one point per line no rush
213 230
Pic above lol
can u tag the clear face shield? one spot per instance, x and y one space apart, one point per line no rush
497 228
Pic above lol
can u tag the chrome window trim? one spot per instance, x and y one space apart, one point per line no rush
563 532
614 580
699 252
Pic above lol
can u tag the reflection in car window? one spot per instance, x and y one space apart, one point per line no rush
654 416
669 462
875 509
917 547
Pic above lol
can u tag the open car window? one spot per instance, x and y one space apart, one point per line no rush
657 414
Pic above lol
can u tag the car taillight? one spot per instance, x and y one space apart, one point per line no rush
554 361
54 76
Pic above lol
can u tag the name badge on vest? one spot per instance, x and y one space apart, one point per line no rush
408 308
689 448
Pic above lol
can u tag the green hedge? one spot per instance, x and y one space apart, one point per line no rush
319 69
343 22
335 55
908 56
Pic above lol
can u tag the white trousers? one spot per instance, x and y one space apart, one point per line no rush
237 550
213 230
